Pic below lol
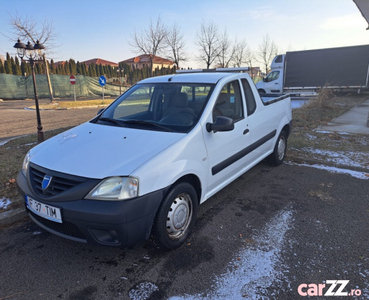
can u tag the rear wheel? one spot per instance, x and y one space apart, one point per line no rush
279 153
176 216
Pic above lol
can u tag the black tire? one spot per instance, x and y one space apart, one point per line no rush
280 148
176 217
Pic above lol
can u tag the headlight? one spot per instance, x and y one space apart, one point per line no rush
115 188
26 164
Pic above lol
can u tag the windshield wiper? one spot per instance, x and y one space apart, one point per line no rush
148 123
113 121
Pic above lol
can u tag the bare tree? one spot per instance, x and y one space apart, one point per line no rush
26 29
208 42
242 54
226 51
267 51
150 41
175 43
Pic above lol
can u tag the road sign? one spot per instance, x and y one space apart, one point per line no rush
102 80
72 79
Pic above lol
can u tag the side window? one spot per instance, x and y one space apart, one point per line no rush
229 102
272 76
279 59
249 95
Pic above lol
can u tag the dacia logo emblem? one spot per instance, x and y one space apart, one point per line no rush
46 182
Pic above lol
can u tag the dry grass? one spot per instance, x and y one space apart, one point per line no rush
323 109
11 159
320 111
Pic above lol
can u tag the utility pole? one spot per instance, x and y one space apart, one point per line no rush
48 79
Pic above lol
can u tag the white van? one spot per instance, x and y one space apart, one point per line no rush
273 82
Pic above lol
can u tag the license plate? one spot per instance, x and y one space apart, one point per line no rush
43 210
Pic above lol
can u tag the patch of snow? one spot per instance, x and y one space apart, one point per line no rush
298 103
142 291
4 203
330 132
258 268
356 174
355 159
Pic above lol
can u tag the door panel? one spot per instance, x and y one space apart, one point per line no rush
226 149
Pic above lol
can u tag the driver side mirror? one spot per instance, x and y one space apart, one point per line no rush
221 124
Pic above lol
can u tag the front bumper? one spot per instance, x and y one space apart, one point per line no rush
112 223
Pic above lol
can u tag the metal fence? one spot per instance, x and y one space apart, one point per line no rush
21 87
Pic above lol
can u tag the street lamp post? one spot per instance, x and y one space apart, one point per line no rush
33 54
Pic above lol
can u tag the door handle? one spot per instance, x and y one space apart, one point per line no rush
246 131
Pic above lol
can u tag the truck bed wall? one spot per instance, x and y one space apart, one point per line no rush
339 67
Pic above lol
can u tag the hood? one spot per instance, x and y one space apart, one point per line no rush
99 151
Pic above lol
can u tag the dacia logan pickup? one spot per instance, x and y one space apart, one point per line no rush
145 163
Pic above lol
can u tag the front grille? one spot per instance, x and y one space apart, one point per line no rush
65 228
59 182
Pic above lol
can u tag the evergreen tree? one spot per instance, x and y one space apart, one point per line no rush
84 69
16 67
52 67
8 64
59 69
101 70
92 70
78 68
66 68
2 69
25 68
39 68
72 67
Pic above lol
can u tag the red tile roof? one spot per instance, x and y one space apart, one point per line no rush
99 61
145 58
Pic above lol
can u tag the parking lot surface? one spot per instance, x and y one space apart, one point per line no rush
261 237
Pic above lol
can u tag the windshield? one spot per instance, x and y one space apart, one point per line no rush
158 106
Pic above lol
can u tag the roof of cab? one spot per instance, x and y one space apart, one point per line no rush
203 77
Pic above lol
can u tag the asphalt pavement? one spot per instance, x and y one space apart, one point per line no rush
267 235
271 231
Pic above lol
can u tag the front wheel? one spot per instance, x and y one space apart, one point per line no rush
279 153
176 217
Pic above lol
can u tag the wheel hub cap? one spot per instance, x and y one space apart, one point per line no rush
281 148
179 216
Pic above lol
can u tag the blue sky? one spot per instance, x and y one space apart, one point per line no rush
89 29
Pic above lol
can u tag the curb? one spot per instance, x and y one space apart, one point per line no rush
11 216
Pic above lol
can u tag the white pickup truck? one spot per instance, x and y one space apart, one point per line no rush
145 163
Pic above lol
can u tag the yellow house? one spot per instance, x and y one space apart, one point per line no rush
141 61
